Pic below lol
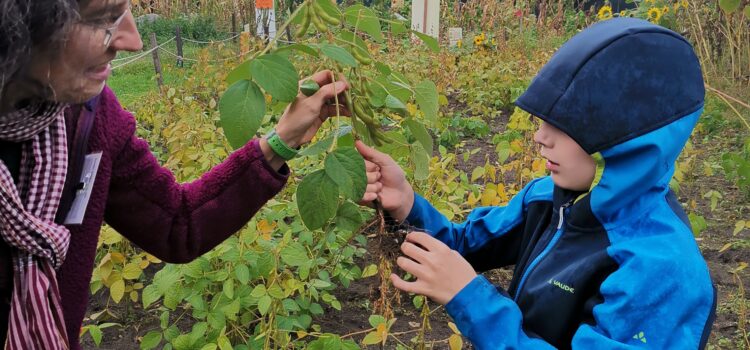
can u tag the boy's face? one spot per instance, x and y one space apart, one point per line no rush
571 167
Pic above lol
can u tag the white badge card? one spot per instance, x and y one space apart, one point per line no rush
83 191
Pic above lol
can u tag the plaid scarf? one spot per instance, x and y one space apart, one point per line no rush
27 214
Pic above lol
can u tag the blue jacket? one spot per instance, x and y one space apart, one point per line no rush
616 267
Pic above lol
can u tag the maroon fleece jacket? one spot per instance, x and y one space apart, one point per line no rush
141 200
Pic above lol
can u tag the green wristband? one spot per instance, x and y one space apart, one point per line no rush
280 147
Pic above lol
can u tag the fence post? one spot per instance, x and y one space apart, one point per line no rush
178 39
234 26
157 63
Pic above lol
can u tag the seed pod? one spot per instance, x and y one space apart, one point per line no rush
360 56
325 16
316 21
306 15
309 87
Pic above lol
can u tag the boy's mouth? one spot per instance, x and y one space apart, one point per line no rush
552 166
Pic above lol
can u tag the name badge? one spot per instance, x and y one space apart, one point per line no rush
83 191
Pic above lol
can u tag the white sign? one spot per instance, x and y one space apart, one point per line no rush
266 20
425 17
454 35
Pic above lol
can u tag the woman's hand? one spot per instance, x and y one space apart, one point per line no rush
386 182
440 271
304 116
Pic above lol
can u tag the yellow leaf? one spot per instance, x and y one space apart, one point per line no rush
453 327
455 342
725 247
477 173
143 264
131 271
109 236
153 259
742 266
382 332
301 334
118 258
738 226
488 197
371 338
134 296
105 269
472 199
370 270
117 290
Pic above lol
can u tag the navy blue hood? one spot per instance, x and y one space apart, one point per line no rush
616 80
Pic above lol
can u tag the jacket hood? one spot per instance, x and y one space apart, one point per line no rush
629 93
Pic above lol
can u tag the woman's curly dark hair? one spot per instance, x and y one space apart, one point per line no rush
25 24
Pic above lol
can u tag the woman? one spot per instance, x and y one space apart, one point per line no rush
54 56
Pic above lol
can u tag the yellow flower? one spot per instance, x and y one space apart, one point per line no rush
458 43
684 3
478 40
494 42
605 12
676 6
665 9
654 14
622 13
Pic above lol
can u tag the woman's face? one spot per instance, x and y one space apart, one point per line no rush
76 70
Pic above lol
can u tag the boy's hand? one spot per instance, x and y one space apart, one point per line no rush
386 181
440 271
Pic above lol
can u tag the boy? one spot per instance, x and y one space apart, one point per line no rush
604 255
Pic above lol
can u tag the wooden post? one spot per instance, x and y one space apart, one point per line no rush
234 26
178 39
157 63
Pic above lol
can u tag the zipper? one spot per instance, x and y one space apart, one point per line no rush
546 250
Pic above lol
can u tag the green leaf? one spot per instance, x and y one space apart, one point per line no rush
229 288
729 6
421 161
420 133
241 72
317 199
746 12
428 40
322 145
151 340
276 292
242 108
375 320
427 99
149 295
698 223
330 7
242 273
298 47
395 104
264 304
96 334
338 54
346 167
348 217
418 301
503 151
173 296
294 254
351 39
277 76
224 343
183 342
364 19
398 28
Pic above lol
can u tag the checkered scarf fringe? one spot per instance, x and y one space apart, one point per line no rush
27 214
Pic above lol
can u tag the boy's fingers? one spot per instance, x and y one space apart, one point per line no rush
414 252
367 199
410 266
425 240
371 154
409 287
371 167
373 177
374 188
